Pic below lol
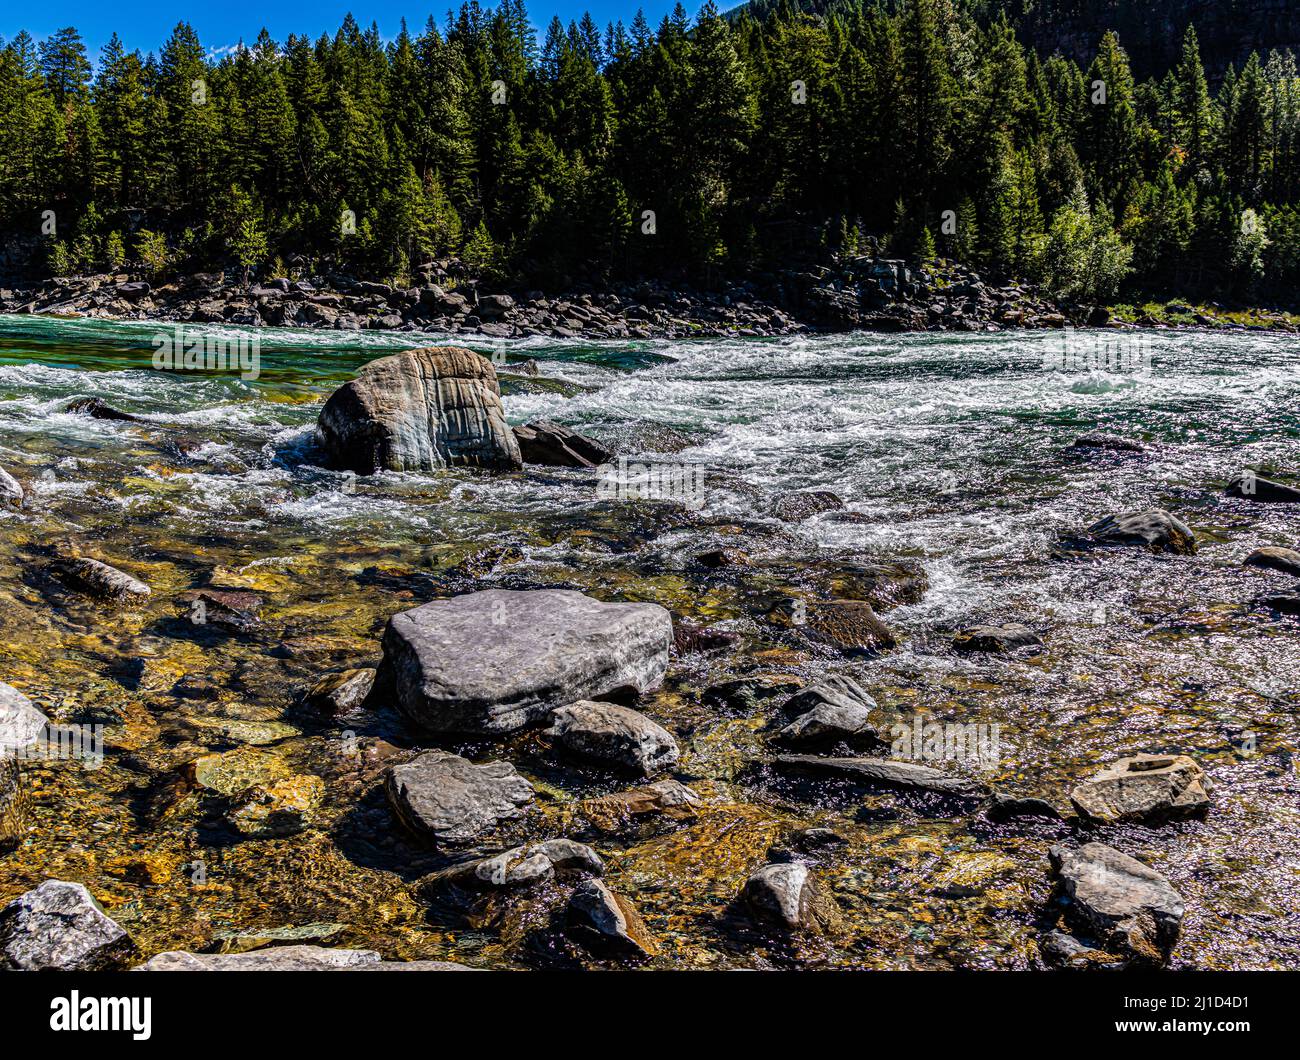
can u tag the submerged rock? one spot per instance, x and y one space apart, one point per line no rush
448 799
544 442
275 959
11 492
98 579
518 867
491 662
1251 487
615 735
795 507
419 410
58 926
832 709
880 773
228 609
1282 603
688 637
1286 560
281 808
785 896
231 772
1144 788
1155 530
851 626
21 723
1003 807
991 638
621 811
340 693
1130 908
722 557
605 922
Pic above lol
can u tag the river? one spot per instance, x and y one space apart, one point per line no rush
952 453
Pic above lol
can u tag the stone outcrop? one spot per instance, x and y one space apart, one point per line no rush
1147 788
419 410
491 662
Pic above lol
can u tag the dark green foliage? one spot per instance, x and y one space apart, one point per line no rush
756 140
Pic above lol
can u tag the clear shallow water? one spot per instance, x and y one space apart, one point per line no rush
953 451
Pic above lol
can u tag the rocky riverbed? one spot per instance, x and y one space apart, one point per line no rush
448 299
914 652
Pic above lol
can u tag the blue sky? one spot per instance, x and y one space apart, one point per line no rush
145 24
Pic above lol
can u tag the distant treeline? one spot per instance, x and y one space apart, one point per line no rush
726 146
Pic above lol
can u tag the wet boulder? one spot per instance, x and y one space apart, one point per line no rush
785 896
448 799
58 926
419 410
796 506
850 626
832 709
544 442
1252 487
489 663
607 923
1128 907
94 578
1155 530
20 721
614 735
722 557
231 610
1286 560
1147 788
996 639
98 409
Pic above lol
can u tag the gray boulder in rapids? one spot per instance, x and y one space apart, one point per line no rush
417 411
491 662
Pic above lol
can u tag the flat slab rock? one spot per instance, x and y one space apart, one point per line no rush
449 799
419 410
59 926
1129 907
1144 788
616 735
544 442
1155 530
290 959
996 639
492 662
879 772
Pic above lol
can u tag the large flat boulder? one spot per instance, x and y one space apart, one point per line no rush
449 799
1146 788
419 410
491 662
1129 908
58 926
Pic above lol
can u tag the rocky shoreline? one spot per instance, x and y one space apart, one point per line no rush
868 294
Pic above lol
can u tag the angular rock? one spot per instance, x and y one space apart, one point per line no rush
851 626
615 735
99 579
99 409
1144 788
879 773
337 694
448 799
491 662
797 506
1251 487
1155 530
688 637
419 410
1286 560
605 922
227 609
832 709
544 442
519 867
11 492
989 638
722 557
785 896
58 926
281 808
1127 906
1002 808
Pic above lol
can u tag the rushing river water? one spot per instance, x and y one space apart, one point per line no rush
952 451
